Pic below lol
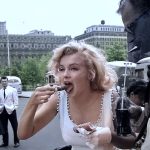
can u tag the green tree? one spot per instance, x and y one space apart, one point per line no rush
15 70
4 71
43 68
116 52
30 72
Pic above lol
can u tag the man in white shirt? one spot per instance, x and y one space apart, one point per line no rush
8 106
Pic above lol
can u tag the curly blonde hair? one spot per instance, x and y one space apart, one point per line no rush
104 76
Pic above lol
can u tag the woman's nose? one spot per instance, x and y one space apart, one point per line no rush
66 72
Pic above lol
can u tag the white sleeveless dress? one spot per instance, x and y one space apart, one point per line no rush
67 125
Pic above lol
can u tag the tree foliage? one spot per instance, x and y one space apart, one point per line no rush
31 71
116 52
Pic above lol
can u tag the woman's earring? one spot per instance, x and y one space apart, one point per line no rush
90 77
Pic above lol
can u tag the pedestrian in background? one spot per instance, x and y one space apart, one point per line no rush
136 92
8 106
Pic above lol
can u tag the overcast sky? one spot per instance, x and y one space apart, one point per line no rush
62 17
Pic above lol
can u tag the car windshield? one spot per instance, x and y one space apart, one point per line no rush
12 81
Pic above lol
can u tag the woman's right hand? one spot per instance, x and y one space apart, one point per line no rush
37 117
42 94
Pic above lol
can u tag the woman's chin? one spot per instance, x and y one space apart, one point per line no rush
69 91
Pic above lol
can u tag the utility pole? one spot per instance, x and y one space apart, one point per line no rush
8 53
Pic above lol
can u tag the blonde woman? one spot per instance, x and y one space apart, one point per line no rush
84 106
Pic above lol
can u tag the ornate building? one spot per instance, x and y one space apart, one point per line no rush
34 44
3 28
104 36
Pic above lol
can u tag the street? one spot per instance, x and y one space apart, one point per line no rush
47 139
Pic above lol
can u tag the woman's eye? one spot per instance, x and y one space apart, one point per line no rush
61 69
74 69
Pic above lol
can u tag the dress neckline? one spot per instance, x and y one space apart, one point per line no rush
98 122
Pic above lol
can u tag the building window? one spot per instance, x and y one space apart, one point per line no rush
36 46
15 45
22 46
11 45
1 45
42 46
48 46
29 46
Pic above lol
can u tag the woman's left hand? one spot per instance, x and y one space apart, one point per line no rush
84 129
101 136
95 136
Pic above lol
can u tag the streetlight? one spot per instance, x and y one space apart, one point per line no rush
8 53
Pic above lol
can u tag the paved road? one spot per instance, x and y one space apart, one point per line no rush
25 94
47 139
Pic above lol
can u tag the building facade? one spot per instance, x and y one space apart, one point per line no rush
104 36
3 30
34 44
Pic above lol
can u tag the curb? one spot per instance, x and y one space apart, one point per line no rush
22 96
25 94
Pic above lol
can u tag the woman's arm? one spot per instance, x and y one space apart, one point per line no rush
40 109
